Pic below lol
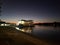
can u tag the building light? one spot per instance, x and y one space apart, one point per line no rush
2 25
25 22
20 22
5 24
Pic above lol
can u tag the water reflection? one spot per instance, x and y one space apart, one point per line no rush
25 29
49 33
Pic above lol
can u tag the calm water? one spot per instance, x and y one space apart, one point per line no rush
47 33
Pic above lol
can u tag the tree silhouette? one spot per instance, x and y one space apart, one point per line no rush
0 6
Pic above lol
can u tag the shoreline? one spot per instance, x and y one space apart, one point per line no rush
19 37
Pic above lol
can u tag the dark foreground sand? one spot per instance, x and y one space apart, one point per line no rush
10 36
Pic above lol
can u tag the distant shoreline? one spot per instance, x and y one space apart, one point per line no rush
55 24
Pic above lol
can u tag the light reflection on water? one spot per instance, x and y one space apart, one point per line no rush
25 29
44 32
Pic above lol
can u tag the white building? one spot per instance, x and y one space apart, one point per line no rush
2 23
25 22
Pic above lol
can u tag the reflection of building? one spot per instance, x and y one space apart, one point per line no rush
25 29
25 22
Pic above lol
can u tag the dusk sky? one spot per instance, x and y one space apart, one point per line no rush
37 10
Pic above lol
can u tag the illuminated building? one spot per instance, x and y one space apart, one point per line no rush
25 22
2 23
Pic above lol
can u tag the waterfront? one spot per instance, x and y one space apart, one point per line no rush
48 33
38 35
11 36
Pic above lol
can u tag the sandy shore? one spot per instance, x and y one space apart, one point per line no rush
10 36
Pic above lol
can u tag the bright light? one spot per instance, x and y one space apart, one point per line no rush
5 24
2 24
22 30
20 22
17 28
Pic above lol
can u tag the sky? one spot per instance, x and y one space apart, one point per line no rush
36 10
